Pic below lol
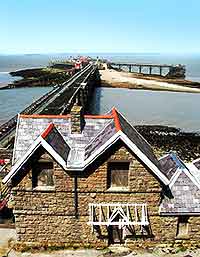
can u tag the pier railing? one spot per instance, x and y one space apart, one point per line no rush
80 95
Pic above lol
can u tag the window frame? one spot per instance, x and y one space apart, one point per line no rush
111 187
35 175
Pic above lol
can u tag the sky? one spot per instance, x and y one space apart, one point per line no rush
86 26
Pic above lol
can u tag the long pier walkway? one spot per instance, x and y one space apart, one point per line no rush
58 101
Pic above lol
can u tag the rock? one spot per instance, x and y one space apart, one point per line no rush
131 254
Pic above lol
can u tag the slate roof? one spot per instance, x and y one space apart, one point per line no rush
169 164
184 187
77 151
56 141
185 197
137 138
100 139
95 133
29 127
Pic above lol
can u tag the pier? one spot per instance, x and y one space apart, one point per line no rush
78 89
173 71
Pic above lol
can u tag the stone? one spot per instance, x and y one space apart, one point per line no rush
77 119
47 218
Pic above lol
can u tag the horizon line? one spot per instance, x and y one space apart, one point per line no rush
96 52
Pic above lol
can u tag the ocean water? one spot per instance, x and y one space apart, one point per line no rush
145 107
141 107
13 101
6 78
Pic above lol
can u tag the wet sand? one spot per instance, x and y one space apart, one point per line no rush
116 79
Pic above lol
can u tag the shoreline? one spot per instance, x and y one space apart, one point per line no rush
113 79
23 68
132 86
116 79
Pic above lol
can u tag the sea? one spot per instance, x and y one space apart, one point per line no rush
180 110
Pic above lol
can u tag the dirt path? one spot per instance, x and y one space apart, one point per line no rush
114 78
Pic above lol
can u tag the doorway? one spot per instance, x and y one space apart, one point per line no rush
115 233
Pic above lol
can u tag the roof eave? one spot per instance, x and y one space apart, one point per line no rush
38 142
21 161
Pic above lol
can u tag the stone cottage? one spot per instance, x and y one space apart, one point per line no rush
91 181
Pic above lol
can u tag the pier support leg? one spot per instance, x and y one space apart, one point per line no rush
129 68
140 69
150 70
160 71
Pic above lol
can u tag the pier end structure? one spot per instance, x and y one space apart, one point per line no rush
167 70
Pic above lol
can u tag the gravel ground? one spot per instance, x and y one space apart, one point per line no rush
7 234
105 253
64 253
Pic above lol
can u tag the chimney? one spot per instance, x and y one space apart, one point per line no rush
77 119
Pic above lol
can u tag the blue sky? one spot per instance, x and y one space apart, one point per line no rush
53 26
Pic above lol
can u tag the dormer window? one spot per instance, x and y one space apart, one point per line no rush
42 175
118 175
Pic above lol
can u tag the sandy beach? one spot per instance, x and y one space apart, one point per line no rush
113 78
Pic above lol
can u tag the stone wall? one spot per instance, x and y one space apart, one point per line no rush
48 217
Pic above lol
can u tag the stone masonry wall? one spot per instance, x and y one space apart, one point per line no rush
47 217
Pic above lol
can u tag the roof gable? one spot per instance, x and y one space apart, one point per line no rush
52 136
47 141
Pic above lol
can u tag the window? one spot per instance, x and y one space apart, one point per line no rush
118 173
182 227
42 174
